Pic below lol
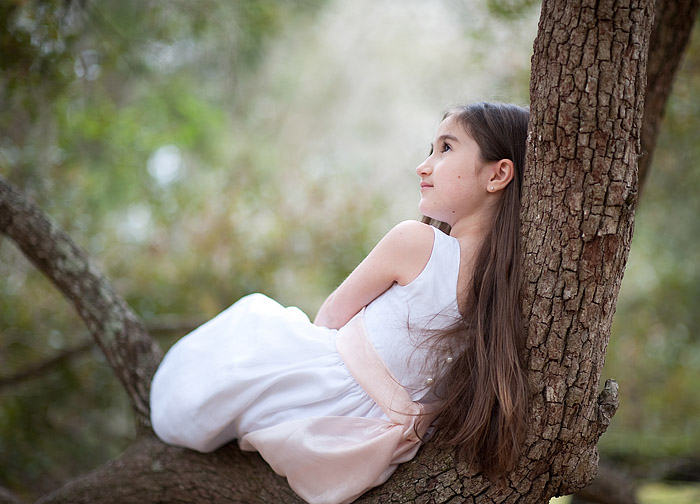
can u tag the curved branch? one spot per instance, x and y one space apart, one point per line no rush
670 35
131 352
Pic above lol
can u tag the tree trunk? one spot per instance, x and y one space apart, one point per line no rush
587 96
587 100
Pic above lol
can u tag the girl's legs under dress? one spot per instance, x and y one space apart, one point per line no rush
253 366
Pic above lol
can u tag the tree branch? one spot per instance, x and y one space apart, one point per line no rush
150 471
37 369
673 25
40 368
131 352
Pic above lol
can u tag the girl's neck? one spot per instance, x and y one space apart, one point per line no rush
474 227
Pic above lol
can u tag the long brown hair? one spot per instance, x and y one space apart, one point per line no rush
483 404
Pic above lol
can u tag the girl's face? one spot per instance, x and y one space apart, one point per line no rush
453 182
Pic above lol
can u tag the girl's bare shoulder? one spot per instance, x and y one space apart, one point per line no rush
410 244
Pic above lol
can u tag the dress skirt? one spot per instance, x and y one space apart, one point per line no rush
319 404
254 366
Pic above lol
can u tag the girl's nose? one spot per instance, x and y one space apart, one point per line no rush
424 168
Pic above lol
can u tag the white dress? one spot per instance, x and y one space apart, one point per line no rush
315 402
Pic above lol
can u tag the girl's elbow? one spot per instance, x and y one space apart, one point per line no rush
323 320
327 316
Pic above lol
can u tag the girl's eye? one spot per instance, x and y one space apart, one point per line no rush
446 147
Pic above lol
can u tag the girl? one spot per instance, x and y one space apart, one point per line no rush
426 330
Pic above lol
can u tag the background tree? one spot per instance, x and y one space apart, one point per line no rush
441 478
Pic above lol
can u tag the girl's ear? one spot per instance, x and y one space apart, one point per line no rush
500 174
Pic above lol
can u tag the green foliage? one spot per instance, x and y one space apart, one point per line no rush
657 493
510 9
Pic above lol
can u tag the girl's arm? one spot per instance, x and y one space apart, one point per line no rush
399 257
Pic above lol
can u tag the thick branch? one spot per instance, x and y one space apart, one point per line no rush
159 473
669 38
150 471
130 350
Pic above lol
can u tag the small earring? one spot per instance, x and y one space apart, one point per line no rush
491 188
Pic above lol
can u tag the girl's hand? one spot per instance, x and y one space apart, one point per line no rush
399 257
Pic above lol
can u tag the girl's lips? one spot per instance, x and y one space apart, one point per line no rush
424 185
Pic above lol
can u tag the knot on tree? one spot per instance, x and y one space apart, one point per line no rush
608 402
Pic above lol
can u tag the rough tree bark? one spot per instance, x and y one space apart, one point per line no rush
587 95
587 100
